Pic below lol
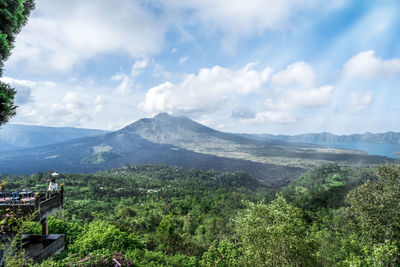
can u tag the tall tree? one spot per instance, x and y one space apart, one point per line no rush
376 205
274 234
13 15
375 208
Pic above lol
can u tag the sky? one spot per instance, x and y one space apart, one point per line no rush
254 66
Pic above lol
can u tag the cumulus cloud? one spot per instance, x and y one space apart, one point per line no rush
209 90
63 34
296 88
273 97
368 66
294 98
74 109
49 103
299 74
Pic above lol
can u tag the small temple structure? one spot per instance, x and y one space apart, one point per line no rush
38 207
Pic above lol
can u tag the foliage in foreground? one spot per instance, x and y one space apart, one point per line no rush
159 215
13 15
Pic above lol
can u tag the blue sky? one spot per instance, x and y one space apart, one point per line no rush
258 66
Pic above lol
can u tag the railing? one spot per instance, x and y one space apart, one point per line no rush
50 204
39 249
43 203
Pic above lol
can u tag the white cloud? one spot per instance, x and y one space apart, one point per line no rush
295 88
160 71
127 82
17 82
299 74
182 60
367 66
294 98
240 17
208 91
65 33
49 103
125 86
245 94
138 66
74 109
271 116
49 84
24 88
358 101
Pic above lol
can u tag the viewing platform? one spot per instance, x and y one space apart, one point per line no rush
39 206
26 203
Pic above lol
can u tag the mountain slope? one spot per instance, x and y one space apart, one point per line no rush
19 136
187 134
182 132
182 142
115 149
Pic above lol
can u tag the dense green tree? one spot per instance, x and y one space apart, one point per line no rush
274 234
13 15
325 186
168 235
168 216
223 253
375 207
376 255
7 107
102 237
335 236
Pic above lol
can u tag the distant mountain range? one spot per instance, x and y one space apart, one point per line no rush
181 142
378 138
18 136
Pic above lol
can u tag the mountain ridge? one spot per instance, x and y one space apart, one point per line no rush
21 136
367 137
179 141
116 149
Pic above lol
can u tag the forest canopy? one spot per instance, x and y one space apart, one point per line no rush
151 215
